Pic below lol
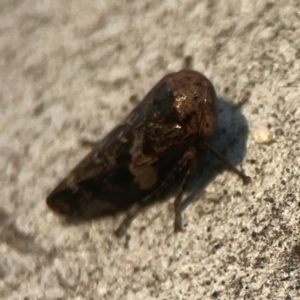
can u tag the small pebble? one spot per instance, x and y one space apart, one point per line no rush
262 135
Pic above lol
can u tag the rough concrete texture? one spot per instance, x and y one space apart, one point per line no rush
68 70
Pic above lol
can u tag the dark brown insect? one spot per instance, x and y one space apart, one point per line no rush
155 147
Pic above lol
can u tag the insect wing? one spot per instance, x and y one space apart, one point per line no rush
103 183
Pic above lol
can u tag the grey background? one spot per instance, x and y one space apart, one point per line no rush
67 71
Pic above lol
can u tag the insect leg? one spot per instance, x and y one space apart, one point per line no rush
246 179
131 214
189 161
186 165
135 210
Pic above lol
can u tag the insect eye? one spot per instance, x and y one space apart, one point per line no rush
208 126
163 97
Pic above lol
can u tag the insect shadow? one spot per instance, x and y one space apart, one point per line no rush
229 140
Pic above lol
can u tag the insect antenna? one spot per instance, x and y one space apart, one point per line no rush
246 179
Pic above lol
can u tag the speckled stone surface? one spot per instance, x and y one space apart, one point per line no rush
67 71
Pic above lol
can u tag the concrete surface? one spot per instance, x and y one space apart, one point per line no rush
68 69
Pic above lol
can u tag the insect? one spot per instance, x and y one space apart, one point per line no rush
155 147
